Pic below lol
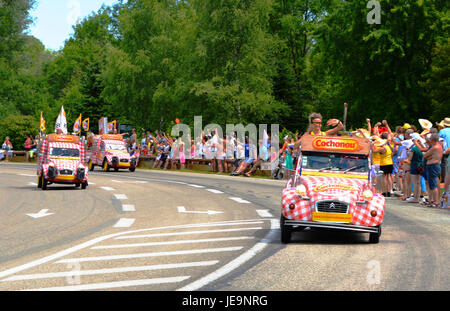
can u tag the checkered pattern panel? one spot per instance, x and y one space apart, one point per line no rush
333 188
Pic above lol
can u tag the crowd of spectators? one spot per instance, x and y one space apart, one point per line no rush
409 163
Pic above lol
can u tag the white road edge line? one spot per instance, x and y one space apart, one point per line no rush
224 270
172 242
114 284
108 270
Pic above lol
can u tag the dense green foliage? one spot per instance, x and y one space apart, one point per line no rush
147 62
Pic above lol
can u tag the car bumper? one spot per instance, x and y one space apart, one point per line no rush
331 225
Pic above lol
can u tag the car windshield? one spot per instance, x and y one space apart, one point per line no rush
116 147
64 152
344 163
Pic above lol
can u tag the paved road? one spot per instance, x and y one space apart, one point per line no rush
152 230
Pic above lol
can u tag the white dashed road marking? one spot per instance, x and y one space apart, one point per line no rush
124 223
128 208
121 196
214 191
239 200
264 213
107 188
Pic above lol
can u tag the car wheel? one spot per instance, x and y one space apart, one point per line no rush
106 166
84 185
40 182
286 231
77 185
44 183
374 238
132 169
116 169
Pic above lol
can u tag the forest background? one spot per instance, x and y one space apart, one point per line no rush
148 62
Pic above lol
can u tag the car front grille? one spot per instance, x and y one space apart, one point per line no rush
124 160
332 207
65 172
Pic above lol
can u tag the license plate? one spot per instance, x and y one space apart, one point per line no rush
332 217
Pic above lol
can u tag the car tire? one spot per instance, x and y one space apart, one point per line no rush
132 169
116 169
84 185
286 231
374 238
40 182
106 166
44 183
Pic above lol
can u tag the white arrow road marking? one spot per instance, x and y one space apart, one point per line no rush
264 213
214 191
41 213
109 270
124 223
32 184
182 209
114 284
239 200
28 175
121 196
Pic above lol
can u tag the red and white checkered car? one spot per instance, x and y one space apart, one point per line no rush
110 151
61 160
332 189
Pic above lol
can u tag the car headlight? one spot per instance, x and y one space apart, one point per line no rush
300 190
367 195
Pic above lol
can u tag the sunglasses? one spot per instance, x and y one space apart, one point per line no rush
317 123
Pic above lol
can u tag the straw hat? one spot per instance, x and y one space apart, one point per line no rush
362 133
425 124
440 124
446 122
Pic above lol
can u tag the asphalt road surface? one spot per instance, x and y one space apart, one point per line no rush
166 231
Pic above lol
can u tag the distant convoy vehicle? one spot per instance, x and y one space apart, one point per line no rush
61 160
109 151
332 188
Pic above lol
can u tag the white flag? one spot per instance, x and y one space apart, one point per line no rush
61 121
